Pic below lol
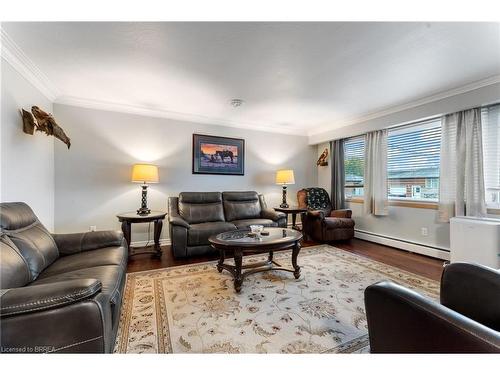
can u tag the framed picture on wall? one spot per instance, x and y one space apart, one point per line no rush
218 155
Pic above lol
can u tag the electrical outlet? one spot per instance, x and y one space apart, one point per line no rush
424 231
93 228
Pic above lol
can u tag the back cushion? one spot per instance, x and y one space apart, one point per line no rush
239 205
201 207
14 271
35 243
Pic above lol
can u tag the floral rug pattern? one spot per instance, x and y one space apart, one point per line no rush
194 309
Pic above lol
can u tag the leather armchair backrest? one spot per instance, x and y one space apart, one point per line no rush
30 237
315 198
239 205
201 207
14 271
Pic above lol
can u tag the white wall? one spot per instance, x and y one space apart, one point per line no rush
93 178
27 161
481 96
403 222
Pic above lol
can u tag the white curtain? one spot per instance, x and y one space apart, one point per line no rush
375 185
461 184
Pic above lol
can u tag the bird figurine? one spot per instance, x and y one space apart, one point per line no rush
323 159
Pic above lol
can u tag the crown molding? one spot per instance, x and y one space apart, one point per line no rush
172 115
416 103
13 54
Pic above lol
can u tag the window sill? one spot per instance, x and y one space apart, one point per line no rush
493 211
419 204
402 203
355 200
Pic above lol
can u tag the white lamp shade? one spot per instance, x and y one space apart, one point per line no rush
285 177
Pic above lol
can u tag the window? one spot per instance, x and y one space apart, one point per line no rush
354 167
490 120
413 155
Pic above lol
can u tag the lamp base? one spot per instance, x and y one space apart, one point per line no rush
143 211
283 203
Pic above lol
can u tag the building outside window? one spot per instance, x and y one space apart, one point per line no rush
413 155
354 165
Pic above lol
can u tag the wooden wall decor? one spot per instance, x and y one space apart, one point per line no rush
323 159
43 122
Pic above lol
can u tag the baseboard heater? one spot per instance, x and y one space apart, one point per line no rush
414 247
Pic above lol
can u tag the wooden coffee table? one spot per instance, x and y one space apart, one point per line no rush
241 243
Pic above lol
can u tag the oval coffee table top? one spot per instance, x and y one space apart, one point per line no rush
241 239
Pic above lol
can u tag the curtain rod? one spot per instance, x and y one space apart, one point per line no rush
425 119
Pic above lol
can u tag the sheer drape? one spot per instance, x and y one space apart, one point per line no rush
338 175
461 186
375 184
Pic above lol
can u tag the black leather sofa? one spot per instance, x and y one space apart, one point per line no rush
466 321
61 292
195 216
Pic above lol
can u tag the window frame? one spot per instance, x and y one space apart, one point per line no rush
356 199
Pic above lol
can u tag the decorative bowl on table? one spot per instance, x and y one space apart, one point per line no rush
255 230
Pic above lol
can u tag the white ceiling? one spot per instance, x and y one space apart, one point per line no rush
300 78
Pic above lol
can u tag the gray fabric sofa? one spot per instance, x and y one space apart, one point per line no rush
195 216
59 292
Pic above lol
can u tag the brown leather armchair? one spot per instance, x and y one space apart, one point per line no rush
466 321
321 222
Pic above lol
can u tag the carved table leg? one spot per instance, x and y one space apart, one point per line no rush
238 279
270 258
221 260
126 233
158 225
295 253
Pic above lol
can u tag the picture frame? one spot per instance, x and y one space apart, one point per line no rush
218 155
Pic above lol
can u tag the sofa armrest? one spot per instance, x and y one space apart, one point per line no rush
472 290
344 213
403 321
178 220
46 296
72 243
269 213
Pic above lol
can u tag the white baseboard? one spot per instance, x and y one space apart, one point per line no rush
163 242
402 244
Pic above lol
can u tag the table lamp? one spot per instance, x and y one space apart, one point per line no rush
285 177
144 174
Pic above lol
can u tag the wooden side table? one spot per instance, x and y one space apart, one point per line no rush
128 218
293 211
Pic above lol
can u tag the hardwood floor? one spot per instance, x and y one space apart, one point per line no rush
416 263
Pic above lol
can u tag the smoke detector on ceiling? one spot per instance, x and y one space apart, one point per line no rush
237 102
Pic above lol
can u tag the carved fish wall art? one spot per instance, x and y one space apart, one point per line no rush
43 122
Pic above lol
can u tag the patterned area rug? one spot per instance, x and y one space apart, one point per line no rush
194 309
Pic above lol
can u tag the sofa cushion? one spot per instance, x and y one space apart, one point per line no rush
239 205
200 207
107 256
336 222
198 233
14 271
245 223
33 240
